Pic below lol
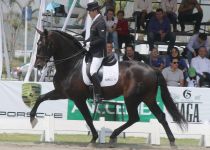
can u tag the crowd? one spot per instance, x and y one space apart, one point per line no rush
178 70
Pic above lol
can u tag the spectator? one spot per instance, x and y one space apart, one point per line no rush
173 75
185 14
201 63
170 8
108 4
109 50
142 11
159 30
192 79
195 42
130 54
155 60
182 64
122 29
111 24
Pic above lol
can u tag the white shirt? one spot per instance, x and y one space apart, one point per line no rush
169 5
193 82
110 23
140 5
201 64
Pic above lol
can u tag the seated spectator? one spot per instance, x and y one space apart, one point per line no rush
185 14
109 50
159 30
130 54
111 24
200 62
195 42
173 75
122 29
142 11
170 8
155 60
182 64
192 79
108 4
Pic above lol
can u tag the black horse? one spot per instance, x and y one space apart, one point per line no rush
137 82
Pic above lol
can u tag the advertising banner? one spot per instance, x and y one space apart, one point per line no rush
113 110
17 99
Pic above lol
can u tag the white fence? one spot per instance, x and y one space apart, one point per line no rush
151 130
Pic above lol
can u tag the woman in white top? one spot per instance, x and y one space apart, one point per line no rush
170 8
142 11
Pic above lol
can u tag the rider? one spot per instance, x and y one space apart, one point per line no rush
97 43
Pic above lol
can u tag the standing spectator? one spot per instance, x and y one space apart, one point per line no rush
111 24
170 8
182 64
173 75
201 63
130 54
195 42
122 29
185 14
155 60
142 11
159 30
193 78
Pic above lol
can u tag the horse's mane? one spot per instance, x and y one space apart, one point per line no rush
75 41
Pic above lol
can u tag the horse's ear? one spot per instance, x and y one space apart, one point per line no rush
39 31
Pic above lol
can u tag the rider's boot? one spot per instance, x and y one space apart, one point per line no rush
97 87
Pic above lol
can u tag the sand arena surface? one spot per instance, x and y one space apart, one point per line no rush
84 146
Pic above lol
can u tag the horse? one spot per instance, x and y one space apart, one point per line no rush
137 82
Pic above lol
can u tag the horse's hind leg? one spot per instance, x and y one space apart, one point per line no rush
52 95
155 109
133 115
82 106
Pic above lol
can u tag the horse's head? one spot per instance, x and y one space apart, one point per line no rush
44 49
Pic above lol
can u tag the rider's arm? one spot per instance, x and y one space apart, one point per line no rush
101 28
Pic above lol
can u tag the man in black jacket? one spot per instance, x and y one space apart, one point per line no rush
97 43
130 54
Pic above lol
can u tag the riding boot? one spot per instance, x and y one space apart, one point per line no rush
97 87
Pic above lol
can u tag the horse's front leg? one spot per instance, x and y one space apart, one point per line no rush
52 95
82 106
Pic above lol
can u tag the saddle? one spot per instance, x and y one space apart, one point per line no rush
108 72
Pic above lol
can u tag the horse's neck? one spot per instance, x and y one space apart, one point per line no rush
68 67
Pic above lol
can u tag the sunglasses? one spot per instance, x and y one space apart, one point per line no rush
176 62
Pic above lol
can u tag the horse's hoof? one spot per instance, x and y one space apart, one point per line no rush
173 145
112 142
91 145
33 121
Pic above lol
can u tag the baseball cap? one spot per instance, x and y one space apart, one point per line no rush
191 72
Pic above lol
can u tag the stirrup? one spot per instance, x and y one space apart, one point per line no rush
97 98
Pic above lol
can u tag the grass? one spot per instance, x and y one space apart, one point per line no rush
86 139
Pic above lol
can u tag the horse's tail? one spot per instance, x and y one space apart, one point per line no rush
169 103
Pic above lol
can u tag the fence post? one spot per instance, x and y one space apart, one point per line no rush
207 134
154 136
49 129
102 132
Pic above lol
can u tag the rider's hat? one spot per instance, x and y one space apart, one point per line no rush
92 6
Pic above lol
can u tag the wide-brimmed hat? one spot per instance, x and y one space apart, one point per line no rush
92 6
191 72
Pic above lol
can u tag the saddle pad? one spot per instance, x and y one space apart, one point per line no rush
110 74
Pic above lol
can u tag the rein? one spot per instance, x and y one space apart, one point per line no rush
65 59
